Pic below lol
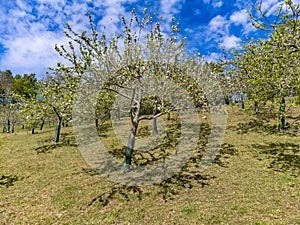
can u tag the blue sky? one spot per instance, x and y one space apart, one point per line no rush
29 29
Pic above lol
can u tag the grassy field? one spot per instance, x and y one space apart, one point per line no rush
254 180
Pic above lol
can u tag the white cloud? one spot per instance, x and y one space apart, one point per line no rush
270 6
188 30
212 57
239 17
30 29
111 15
214 3
170 7
230 42
167 10
32 53
218 31
217 4
242 18
242 4
219 24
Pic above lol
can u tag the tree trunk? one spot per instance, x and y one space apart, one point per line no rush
32 130
281 115
129 149
154 126
134 116
13 128
57 130
256 107
242 100
8 126
118 114
154 122
42 125
96 122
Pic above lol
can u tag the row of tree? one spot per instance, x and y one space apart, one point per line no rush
145 67
267 70
30 102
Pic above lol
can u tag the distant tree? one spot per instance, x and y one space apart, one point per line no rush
57 94
25 85
269 69
6 82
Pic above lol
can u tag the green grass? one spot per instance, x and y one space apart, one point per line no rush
255 180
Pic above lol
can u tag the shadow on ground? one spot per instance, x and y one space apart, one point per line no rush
285 157
9 180
167 189
226 151
189 177
259 125
49 145
254 125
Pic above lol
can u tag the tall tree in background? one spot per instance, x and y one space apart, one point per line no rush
6 82
25 85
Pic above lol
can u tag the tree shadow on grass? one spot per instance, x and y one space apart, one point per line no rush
65 140
47 148
254 125
9 180
226 151
285 157
260 125
189 177
167 189
172 186
115 192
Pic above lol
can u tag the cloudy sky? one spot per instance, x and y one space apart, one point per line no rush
29 29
